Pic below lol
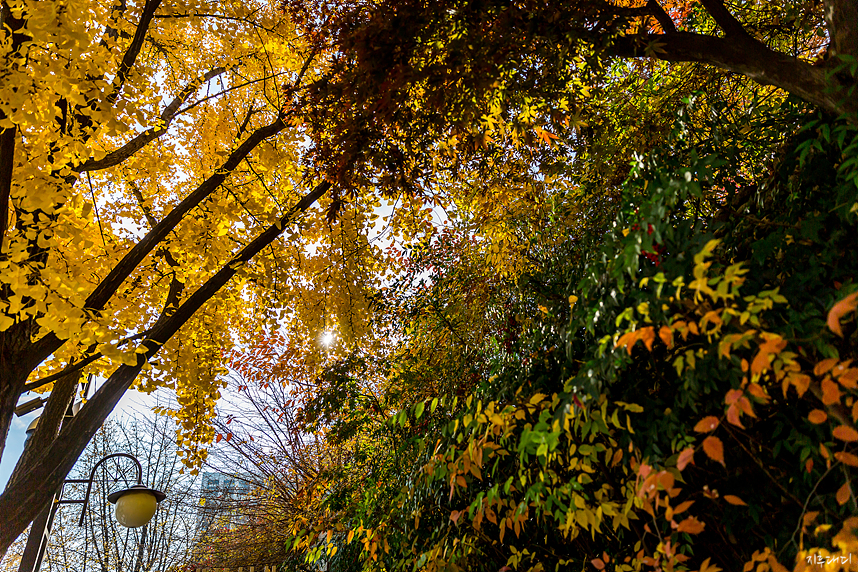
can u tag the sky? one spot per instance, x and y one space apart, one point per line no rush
132 401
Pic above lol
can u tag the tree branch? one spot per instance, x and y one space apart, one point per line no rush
7 158
21 502
133 49
661 16
170 112
842 19
725 20
746 56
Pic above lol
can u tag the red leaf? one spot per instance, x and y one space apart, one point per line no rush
219 437
228 436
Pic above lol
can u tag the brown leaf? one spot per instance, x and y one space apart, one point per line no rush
845 433
685 457
733 499
707 424
840 309
714 448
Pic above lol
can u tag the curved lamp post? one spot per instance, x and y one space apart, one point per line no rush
135 506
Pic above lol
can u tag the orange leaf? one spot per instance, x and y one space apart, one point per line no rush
707 424
219 437
683 507
666 335
598 563
843 494
745 406
690 525
733 416
707 567
733 499
830 392
824 366
714 448
455 515
758 392
849 378
733 396
800 381
845 433
775 565
817 416
665 479
648 336
840 309
846 458
685 457
228 436
808 465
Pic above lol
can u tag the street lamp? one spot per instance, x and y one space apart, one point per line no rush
135 506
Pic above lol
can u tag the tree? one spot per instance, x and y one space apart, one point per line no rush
101 543
102 262
418 104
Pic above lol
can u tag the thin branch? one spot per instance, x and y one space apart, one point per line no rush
170 112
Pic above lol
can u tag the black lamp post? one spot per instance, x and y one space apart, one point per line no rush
135 507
